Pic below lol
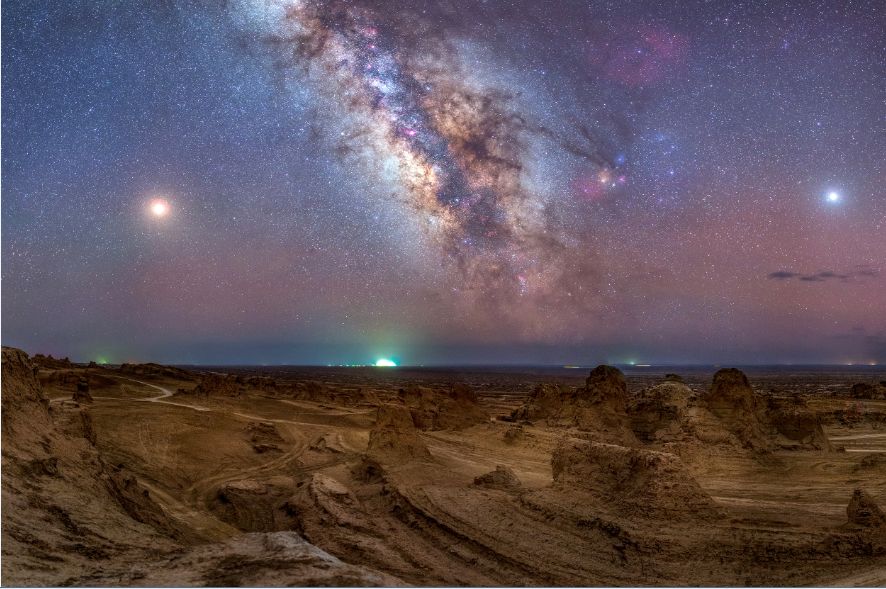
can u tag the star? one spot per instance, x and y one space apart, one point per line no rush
159 208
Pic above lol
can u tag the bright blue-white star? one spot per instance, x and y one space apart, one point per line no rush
833 197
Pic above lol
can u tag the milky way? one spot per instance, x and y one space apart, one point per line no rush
459 149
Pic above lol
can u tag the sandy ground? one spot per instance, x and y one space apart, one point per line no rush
219 472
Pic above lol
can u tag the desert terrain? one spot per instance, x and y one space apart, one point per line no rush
144 474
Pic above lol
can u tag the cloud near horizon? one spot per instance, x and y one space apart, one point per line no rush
825 275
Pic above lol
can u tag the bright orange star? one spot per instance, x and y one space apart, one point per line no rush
159 207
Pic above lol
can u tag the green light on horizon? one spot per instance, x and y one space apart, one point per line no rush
384 362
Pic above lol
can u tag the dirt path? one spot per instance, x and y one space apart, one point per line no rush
164 394
857 437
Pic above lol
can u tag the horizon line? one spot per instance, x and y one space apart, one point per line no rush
508 364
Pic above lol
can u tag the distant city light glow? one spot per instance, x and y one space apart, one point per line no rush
385 362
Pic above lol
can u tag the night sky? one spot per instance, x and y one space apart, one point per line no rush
285 181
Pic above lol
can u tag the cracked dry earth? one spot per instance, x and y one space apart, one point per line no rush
154 475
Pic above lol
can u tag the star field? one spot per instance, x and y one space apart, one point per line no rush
289 181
